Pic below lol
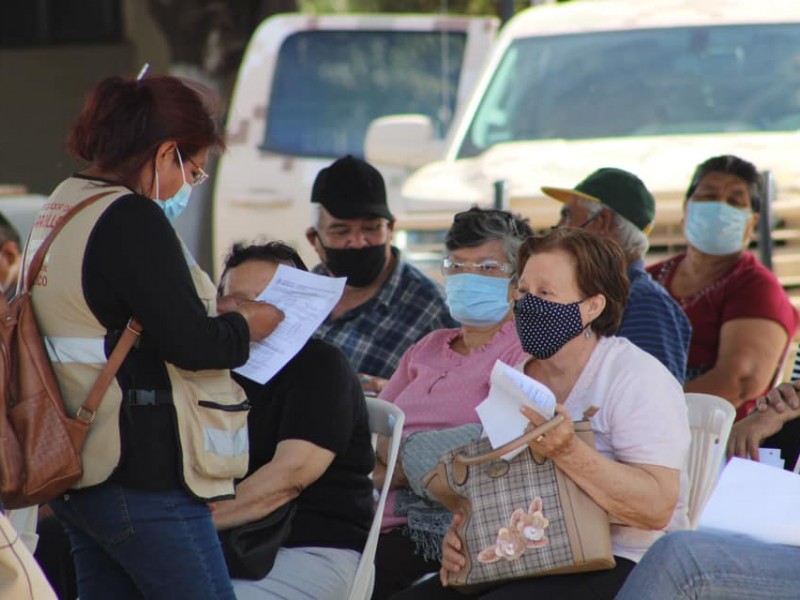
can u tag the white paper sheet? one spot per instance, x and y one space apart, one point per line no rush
510 390
756 500
771 457
305 299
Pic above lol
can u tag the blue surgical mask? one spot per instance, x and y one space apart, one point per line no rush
477 300
174 206
715 228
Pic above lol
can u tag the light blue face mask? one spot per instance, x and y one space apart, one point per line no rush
477 300
174 206
715 228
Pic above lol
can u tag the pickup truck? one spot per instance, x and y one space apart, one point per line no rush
653 87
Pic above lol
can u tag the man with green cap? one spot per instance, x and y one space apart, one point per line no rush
616 204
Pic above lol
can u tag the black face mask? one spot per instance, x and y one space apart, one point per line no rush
361 266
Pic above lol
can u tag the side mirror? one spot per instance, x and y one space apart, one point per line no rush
402 141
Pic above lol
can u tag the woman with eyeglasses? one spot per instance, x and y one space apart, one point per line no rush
443 377
571 293
168 434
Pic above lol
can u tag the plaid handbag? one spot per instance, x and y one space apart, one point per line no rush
522 517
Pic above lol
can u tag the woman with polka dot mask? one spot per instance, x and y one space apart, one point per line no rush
570 295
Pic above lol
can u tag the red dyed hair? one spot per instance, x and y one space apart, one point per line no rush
124 121
600 268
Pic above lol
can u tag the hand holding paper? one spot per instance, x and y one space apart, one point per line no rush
305 299
511 390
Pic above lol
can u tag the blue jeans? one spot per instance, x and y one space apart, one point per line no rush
714 566
136 544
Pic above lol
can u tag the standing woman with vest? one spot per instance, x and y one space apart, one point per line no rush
170 433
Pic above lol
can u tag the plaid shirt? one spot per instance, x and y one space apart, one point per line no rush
375 334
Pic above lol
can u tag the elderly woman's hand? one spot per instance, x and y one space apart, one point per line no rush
453 559
747 435
555 442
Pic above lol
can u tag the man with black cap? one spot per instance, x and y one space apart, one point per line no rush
387 304
616 204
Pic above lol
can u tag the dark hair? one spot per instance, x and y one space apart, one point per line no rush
124 121
8 232
732 165
275 252
477 226
600 267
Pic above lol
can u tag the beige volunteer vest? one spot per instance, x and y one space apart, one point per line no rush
210 407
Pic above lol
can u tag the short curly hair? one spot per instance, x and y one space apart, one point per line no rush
600 268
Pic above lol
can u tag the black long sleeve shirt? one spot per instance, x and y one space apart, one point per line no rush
134 266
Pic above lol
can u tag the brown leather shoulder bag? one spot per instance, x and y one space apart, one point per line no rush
40 445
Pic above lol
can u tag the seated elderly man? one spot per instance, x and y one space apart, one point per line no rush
309 443
616 204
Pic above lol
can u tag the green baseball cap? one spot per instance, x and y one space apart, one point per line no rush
622 192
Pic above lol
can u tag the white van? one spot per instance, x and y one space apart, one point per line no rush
654 87
306 92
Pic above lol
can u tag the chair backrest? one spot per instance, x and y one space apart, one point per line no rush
710 419
387 420
791 354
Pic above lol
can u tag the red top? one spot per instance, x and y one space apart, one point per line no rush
748 291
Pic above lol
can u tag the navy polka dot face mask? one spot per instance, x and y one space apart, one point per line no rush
544 327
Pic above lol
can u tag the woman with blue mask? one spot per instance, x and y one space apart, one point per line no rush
571 294
138 520
441 379
742 320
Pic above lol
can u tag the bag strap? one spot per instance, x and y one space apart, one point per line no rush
41 251
133 329
88 409
514 444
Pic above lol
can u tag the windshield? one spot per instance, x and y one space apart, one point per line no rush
642 82
329 85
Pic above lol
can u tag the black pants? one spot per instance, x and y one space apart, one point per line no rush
397 565
54 556
597 585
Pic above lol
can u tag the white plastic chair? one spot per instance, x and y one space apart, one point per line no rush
710 419
387 420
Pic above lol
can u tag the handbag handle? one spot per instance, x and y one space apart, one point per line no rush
514 444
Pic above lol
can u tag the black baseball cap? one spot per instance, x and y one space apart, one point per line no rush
351 188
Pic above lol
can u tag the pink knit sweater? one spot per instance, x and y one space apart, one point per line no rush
438 388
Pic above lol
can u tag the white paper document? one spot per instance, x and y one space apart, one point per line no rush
305 299
771 457
500 412
757 500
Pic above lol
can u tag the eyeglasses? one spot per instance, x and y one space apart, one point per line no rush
492 268
373 233
198 176
566 219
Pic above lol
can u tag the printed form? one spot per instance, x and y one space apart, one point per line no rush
510 390
755 499
305 299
